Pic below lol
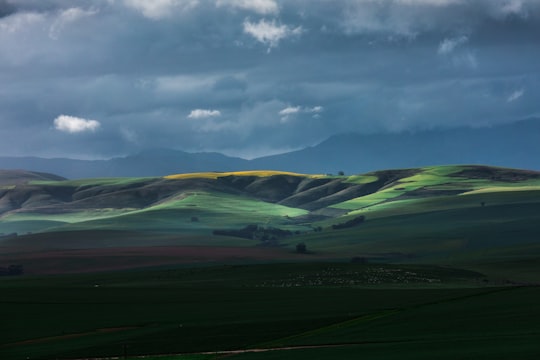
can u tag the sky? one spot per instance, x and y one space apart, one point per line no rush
102 78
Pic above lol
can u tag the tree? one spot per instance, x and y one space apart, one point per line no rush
301 248
341 173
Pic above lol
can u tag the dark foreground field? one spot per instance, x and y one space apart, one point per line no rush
274 311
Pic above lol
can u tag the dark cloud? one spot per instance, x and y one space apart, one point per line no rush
6 8
230 83
140 68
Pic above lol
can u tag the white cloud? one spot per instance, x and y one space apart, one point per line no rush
447 46
315 109
72 124
263 7
515 95
66 17
157 9
19 21
269 33
203 114
506 8
289 111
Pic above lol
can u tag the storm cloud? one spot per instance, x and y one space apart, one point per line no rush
6 8
251 78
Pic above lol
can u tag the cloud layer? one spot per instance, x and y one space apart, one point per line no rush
257 77
263 7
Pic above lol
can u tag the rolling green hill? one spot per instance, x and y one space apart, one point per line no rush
469 216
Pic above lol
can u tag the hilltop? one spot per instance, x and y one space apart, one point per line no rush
474 216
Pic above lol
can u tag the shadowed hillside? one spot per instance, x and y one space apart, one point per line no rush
52 195
442 214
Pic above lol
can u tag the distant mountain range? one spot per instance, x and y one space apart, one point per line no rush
515 145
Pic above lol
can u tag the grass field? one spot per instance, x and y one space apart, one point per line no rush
284 307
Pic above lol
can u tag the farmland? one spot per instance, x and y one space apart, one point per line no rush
436 262
356 307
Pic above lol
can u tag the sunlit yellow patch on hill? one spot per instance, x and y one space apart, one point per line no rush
215 175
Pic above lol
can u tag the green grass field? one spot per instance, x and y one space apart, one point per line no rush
213 210
284 307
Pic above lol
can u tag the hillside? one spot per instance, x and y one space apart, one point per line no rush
18 177
472 216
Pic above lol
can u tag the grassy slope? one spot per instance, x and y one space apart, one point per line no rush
212 210
486 225
440 178
219 209
394 199
485 238
447 214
